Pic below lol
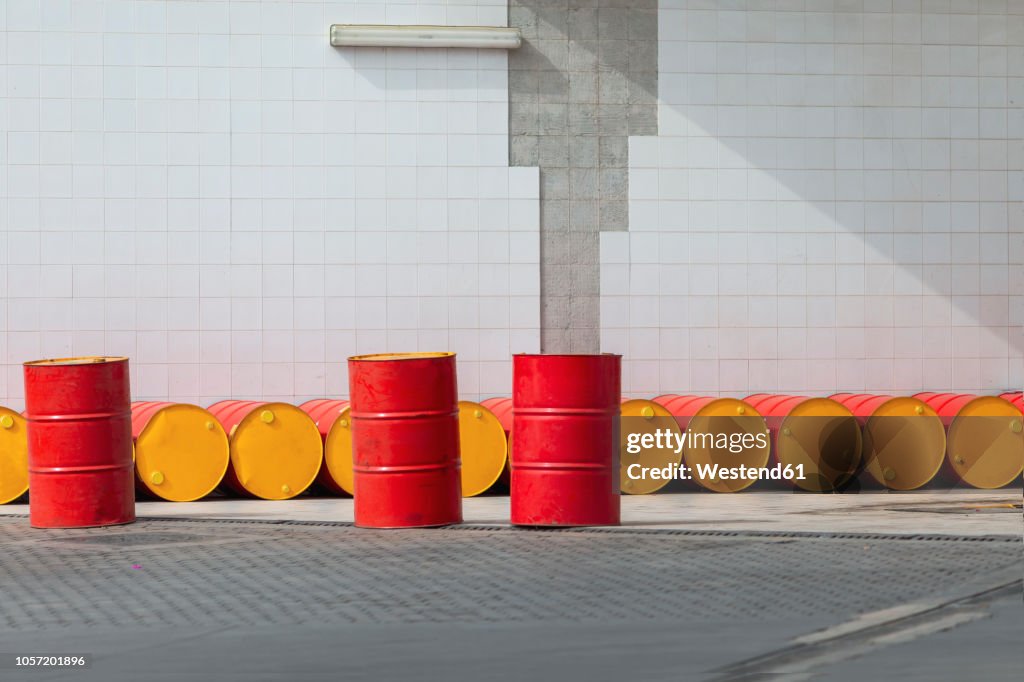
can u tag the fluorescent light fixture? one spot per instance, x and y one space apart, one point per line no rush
479 37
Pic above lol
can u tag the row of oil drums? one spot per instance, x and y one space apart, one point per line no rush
276 451
265 450
899 443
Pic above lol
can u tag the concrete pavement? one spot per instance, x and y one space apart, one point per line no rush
693 586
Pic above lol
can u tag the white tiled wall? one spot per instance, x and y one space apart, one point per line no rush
211 189
835 201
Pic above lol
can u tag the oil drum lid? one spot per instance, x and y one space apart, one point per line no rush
13 456
182 453
483 446
646 417
338 452
732 420
276 451
986 443
824 437
904 444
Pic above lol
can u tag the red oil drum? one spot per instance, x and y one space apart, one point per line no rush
405 440
705 421
482 443
1015 398
333 421
502 409
984 439
276 449
565 469
79 442
904 443
818 433
181 452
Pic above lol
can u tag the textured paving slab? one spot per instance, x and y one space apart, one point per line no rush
216 573
693 586
178 599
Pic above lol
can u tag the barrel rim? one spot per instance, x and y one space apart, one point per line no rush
82 360
567 355
424 355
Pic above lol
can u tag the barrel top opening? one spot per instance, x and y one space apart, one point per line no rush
88 360
400 356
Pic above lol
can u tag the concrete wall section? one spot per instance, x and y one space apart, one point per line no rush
584 80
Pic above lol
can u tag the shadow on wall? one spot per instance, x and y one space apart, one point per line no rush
866 164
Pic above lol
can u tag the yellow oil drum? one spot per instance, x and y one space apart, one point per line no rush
904 441
706 419
484 448
984 438
640 417
276 449
181 451
817 433
335 425
13 456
